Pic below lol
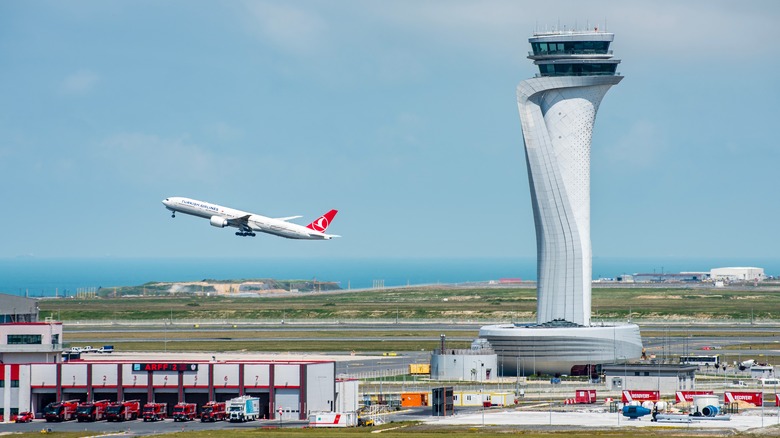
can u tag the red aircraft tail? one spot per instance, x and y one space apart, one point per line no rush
321 223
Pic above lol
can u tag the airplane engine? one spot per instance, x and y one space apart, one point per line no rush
218 221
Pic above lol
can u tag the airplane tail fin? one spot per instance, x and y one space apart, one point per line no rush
321 223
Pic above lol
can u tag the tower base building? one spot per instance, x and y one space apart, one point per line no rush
525 350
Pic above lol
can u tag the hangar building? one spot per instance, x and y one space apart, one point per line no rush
737 274
294 387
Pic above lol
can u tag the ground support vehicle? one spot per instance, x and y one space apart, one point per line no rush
245 408
24 417
61 410
155 411
185 411
92 411
122 411
213 411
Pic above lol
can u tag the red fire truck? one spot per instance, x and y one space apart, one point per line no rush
61 410
185 411
121 411
155 411
92 411
213 411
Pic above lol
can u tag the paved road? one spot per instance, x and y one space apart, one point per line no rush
139 428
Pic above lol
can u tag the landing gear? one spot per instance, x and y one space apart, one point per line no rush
173 214
244 234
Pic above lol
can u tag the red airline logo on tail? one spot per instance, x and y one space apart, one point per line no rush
321 223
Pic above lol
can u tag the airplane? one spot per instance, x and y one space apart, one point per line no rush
248 223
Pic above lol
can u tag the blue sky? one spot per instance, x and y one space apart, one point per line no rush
400 114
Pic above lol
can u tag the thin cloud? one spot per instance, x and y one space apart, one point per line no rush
641 146
289 28
151 159
80 82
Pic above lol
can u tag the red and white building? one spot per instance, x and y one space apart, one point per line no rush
294 388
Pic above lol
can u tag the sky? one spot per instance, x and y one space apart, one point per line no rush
402 115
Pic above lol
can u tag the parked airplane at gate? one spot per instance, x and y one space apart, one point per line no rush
248 223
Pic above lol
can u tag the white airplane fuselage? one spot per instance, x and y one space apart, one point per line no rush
221 217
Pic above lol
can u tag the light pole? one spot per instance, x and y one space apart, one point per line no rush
482 399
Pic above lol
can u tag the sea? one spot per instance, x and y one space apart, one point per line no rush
47 277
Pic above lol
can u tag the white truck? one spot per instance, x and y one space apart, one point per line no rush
333 419
244 408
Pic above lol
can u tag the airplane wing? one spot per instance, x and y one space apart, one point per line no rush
288 218
240 222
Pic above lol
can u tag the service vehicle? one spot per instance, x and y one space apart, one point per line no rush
185 411
92 411
213 411
155 411
24 417
61 410
106 349
123 411
244 408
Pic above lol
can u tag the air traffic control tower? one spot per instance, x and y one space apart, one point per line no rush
557 112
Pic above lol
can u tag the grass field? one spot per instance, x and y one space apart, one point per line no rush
497 304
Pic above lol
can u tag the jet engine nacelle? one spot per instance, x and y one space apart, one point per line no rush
218 221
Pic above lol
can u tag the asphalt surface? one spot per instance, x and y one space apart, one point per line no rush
139 427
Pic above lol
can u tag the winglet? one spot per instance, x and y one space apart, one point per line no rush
321 223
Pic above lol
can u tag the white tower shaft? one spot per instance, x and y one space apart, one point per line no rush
557 116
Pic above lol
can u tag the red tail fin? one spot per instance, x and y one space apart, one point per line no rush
321 223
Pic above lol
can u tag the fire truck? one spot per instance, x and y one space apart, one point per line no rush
92 411
121 411
155 411
185 411
213 411
61 410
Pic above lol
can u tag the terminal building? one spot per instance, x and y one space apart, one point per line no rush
557 113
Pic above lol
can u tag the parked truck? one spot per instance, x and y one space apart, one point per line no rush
61 410
155 411
185 411
123 411
92 411
244 408
213 411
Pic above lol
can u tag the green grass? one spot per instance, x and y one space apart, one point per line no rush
434 303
